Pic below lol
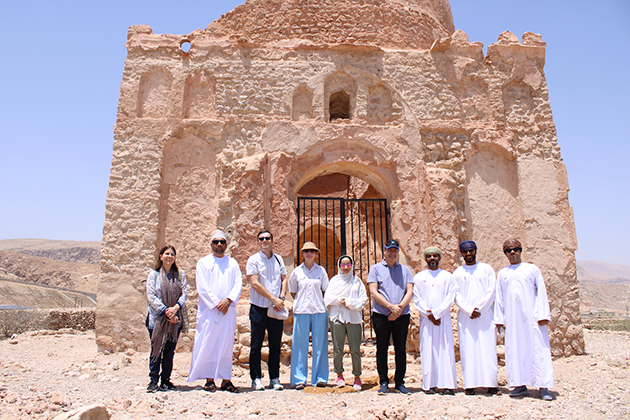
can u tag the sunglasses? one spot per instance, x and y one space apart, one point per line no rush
308 251
219 241
468 251
264 238
346 264
510 250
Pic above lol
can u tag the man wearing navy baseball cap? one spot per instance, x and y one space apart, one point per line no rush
391 288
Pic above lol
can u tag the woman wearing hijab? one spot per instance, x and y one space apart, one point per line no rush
307 285
345 299
167 290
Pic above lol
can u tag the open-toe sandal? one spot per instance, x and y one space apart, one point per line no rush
210 386
229 387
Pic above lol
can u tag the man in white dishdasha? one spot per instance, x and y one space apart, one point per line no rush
219 282
522 307
476 284
433 294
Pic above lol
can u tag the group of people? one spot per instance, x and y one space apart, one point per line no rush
516 300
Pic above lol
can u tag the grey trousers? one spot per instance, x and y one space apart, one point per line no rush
339 332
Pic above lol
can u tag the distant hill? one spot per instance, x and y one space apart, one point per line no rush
604 286
599 272
45 271
70 251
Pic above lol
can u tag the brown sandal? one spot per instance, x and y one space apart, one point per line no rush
210 386
229 387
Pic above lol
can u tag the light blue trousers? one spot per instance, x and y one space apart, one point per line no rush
317 325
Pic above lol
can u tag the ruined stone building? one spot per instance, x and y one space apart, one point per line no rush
343 122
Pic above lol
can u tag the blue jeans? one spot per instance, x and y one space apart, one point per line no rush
317 325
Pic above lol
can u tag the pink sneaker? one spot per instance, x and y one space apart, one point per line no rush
357 385
340 382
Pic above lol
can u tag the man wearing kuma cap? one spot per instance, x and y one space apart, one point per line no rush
433 294
219 282
523 308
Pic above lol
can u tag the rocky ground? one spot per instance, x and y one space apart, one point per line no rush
43 374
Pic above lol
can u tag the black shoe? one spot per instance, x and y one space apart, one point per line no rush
545 394
167 386
469 391
153 386
448 391
431 391
519 391
494 391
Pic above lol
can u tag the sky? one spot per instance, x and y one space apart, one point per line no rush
62 66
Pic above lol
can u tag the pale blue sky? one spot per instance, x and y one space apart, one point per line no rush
62 65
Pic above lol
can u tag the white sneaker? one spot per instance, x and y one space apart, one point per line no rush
275 384
257 385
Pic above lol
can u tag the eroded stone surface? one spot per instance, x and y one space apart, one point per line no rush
462 145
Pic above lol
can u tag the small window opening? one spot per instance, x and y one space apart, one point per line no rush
339 106
185 47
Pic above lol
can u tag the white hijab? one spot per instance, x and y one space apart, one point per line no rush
341 284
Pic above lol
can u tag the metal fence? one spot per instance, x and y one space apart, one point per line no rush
338 226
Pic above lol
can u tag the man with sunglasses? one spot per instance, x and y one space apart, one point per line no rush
475 321
522 308
219 282
267 276
391 289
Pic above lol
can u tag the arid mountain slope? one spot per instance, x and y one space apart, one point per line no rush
604 286
70 275
71 251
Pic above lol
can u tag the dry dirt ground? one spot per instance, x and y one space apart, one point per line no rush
45 373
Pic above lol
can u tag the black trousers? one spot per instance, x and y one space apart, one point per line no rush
164 360
261 322
397 330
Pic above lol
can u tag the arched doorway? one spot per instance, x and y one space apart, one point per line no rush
343 214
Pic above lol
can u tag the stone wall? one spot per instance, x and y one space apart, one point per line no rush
462 145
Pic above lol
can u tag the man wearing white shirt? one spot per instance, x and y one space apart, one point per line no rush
433 294
475 321
219 282
523 308
267 275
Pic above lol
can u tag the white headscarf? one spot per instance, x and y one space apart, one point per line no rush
340 284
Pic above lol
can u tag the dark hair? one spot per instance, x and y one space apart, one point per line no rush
159 258
265 231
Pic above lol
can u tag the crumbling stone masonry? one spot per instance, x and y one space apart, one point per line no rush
222 128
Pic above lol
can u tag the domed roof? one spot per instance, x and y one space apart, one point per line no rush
404 24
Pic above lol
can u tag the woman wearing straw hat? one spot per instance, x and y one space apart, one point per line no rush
307 285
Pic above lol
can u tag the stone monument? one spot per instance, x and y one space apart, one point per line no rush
225 128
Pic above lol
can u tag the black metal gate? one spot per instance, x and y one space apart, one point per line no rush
338 226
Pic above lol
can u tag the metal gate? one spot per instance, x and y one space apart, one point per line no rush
338 226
